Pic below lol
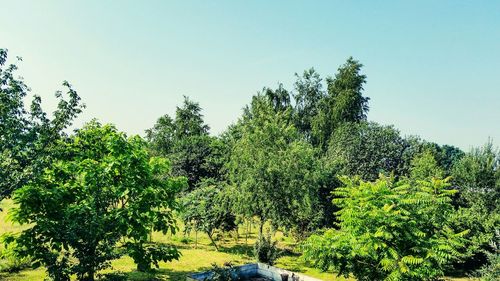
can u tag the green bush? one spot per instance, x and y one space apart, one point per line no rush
390 231
265 250
491 271
223 273
10 261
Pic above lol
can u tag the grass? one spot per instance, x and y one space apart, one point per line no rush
195 256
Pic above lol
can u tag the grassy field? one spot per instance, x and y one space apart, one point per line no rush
194 258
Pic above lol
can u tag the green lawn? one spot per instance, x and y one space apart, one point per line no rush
193 259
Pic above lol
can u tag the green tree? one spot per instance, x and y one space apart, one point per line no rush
208 208
308 93
343 103
390 231
477 176
425 167
185 140
446 155
189 120
279 98
273 169
101 187
28 136
366 150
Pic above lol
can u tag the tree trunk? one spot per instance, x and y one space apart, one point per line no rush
213 242
261 227
196 239
247 232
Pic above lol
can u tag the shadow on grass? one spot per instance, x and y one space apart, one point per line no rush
238 249
154 275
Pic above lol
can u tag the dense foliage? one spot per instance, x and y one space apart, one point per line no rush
274 169
306 161
28 136
100 188
208 209
266 250
390 231
185 141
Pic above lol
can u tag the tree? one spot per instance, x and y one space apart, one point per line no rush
101 187
477 176
390 231
190 158
308 93
161 137
279 98
446 155
189 120
343 103
185 140
27 137
208 208
425 167
366 150
273 169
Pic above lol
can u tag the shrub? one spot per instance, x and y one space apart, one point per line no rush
265 250
491 271
10 261
390 231
223 273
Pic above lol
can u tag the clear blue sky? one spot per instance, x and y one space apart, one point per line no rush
433 67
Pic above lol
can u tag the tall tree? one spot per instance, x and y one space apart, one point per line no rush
279 98
273 169
185 140
189 120
307 95
343 103
27 136
477 176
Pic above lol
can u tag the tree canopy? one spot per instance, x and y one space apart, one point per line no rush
100 187
28 136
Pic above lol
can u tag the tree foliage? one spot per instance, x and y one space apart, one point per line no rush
208 208
477 176
344 102
307 96
28 136
100 188
185 140
273 168
390 231
366 150
425 167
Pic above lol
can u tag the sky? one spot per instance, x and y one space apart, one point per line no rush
433 67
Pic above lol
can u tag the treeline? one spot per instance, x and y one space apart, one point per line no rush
358 196
282 161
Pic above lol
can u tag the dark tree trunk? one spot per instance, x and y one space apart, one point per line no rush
212 240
